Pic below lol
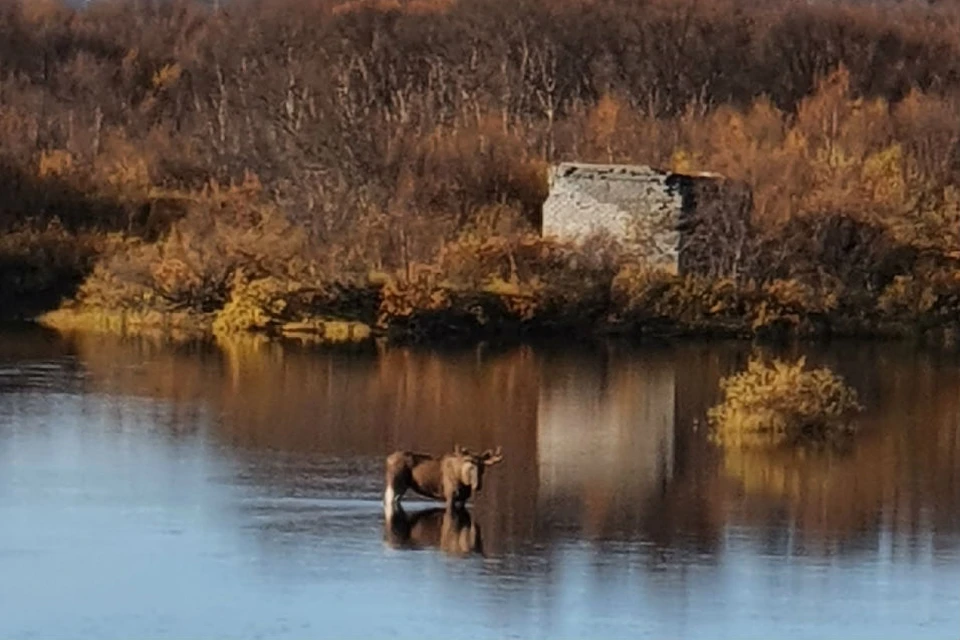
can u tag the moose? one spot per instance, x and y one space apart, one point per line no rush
453 531
453 477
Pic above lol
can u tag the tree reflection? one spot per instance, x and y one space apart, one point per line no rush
602 442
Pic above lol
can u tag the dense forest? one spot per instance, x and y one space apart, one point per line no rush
262 162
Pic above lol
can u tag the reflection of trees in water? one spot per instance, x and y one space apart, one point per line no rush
621 456
25 360
20 343
304 407
901 475
301 436
600 443
605 435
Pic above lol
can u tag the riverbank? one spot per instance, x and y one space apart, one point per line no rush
633 303
217 273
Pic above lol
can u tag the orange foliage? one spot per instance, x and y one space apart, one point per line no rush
387 134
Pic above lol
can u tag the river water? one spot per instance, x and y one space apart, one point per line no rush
233 491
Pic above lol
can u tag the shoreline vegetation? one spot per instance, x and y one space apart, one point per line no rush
341 171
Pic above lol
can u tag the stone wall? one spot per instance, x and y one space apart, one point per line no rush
653 213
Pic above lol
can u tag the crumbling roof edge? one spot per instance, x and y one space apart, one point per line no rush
621 171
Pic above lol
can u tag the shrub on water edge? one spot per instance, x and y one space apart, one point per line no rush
920 296
253 305
34 261
788 303
778 403
641 294
501 282
644 294
422 290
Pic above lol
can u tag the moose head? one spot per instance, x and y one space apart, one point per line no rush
472 465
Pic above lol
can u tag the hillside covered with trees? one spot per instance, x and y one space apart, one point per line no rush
266 163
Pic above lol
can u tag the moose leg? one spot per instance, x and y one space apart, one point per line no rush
456 498
396 479
393 493
449 496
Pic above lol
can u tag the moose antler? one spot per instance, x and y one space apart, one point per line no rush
492 457
462 451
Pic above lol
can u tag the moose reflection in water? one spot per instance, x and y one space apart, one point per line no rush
453 477
452 530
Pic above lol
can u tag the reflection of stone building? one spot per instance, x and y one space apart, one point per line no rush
605 439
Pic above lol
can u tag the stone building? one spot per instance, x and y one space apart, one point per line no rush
679 222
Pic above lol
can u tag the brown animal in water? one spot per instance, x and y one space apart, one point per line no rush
453 477
453 531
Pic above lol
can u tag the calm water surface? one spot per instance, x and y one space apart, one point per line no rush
200 491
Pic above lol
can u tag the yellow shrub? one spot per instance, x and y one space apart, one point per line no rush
653 293
789 302
637 287
166 76
423 291
253 306
908 296
781 403
53 163
474 260
175 279
521 300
